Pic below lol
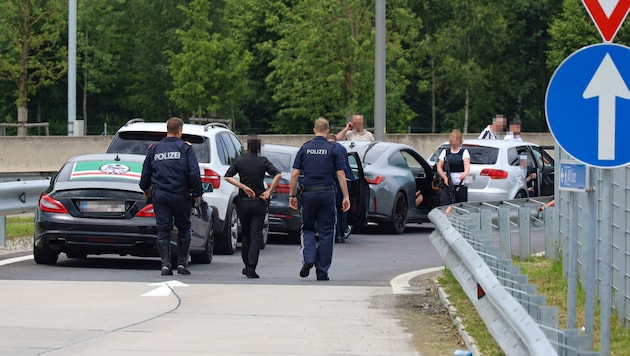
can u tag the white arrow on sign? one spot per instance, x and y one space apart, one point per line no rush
163 289
607 84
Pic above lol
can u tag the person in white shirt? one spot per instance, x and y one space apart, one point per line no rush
491 131
354 131
515 130
458 160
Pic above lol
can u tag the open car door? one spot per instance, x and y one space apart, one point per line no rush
359 192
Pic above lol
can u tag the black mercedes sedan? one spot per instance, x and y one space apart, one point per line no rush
94 205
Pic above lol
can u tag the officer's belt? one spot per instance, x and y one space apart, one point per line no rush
318 188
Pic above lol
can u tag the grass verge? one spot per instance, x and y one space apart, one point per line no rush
547 276
19 226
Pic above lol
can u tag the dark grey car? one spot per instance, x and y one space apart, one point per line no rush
94 205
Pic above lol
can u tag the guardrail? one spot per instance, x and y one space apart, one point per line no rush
474 241
19 197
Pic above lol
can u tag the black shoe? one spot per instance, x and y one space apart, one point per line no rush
306 269
346 234
340 240
182 270
166 271
323 278
244 271
252 274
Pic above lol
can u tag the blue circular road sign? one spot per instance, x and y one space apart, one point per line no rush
588 105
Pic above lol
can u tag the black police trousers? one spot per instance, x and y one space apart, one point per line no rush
172 207
251 212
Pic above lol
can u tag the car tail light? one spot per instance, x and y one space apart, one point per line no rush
146 212
51 205
494 173
211 177
376 180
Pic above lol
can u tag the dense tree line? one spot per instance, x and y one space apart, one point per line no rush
275 65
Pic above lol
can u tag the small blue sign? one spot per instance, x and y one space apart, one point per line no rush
588 105
573 177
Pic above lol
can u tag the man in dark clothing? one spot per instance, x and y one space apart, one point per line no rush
320 162
171 170
342 230
252 200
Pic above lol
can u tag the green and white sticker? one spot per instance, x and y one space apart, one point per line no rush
107 170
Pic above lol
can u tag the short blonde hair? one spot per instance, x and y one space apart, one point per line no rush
458 135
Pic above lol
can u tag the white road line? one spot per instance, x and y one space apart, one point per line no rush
400 284
9 261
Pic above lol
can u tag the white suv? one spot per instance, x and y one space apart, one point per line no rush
216 148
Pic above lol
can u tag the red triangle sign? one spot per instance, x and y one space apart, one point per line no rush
480 292
608 15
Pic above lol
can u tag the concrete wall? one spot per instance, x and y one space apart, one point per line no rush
49 153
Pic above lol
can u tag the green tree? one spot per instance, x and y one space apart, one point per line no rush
210 72
323 63
32 51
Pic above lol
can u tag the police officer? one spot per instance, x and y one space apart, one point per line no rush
252 200
171 170
321 163
342 229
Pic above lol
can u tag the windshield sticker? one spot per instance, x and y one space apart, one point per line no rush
107 170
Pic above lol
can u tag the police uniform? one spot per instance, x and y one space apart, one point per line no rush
342 216
171 169
319 160
251 211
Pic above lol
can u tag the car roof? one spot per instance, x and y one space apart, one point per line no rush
494 143
192 129
361 146
280 148
108 156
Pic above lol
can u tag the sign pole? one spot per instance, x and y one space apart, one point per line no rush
572 262
605 286
590 260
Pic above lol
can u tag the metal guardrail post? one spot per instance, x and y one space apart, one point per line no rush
551 236
505 231
525 245
486 222
3 230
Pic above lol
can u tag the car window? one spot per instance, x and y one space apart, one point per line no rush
397 160
237 144
413 164
101 171
138 142
524 153
513 156
354 166
282 161
230 149
373 153
482 154
221 150
543 157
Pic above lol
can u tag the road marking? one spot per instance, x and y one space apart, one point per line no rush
9 261
164 289
400 284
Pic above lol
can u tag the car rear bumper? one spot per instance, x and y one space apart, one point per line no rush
284 220
93 236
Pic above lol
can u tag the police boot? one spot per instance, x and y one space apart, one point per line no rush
163 247
182 256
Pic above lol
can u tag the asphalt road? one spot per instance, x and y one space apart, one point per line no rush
121 305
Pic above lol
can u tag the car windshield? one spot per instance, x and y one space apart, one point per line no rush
138 142
478 154
282 161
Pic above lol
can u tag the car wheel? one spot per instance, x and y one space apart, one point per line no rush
43 255
206 256
226 242
520 195
398 219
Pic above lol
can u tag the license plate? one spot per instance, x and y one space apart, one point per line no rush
92 206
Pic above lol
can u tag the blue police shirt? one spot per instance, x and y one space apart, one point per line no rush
346 165
319 161
171 165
